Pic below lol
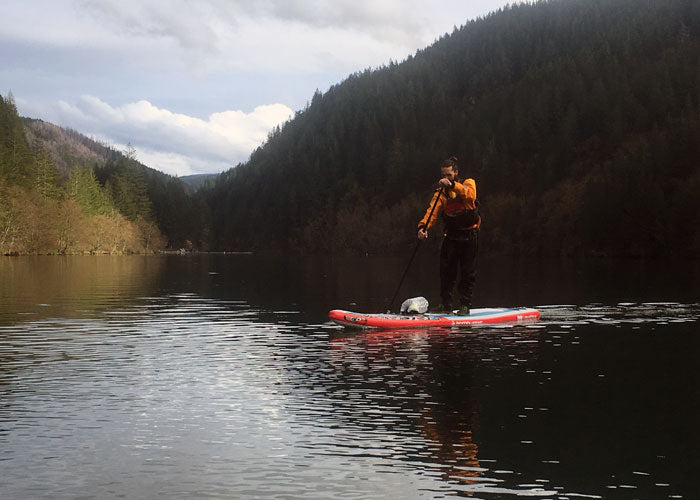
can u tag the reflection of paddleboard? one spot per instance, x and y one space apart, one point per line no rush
391 321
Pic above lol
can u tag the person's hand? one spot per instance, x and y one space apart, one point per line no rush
445 183
422 234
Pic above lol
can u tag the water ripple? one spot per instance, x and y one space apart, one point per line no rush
622 313
185 396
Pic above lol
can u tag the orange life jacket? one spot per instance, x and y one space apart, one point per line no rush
458 206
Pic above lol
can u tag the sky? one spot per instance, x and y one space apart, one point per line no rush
194 86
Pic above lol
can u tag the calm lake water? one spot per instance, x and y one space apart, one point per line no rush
220 376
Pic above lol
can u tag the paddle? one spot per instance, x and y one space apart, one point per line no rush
415 250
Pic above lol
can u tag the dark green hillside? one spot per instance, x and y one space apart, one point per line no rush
137 190
579 119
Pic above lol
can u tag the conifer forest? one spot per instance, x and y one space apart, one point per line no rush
578 119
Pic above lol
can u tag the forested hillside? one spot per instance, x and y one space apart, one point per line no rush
63 193
579 120
197 181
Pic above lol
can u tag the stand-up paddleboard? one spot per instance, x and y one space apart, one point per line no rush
390 321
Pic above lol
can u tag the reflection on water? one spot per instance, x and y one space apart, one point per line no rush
72 285
180 377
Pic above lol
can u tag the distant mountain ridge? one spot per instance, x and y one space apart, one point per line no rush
66 146
197 180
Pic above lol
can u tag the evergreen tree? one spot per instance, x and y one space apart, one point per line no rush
15 155
46 180
85 190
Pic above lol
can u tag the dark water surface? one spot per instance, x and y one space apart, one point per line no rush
219 376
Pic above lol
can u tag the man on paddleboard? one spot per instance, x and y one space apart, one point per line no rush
456 202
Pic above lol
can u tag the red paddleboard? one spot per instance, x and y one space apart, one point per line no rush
390 321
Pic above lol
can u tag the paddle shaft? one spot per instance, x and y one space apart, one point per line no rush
413 255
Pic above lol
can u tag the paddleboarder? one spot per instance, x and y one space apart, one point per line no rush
456 202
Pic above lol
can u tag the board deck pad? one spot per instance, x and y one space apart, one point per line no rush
389 321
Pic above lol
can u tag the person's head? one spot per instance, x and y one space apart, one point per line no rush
449 168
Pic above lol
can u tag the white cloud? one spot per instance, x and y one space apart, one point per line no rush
176 164
175 142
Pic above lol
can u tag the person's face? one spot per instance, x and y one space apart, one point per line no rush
448 173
